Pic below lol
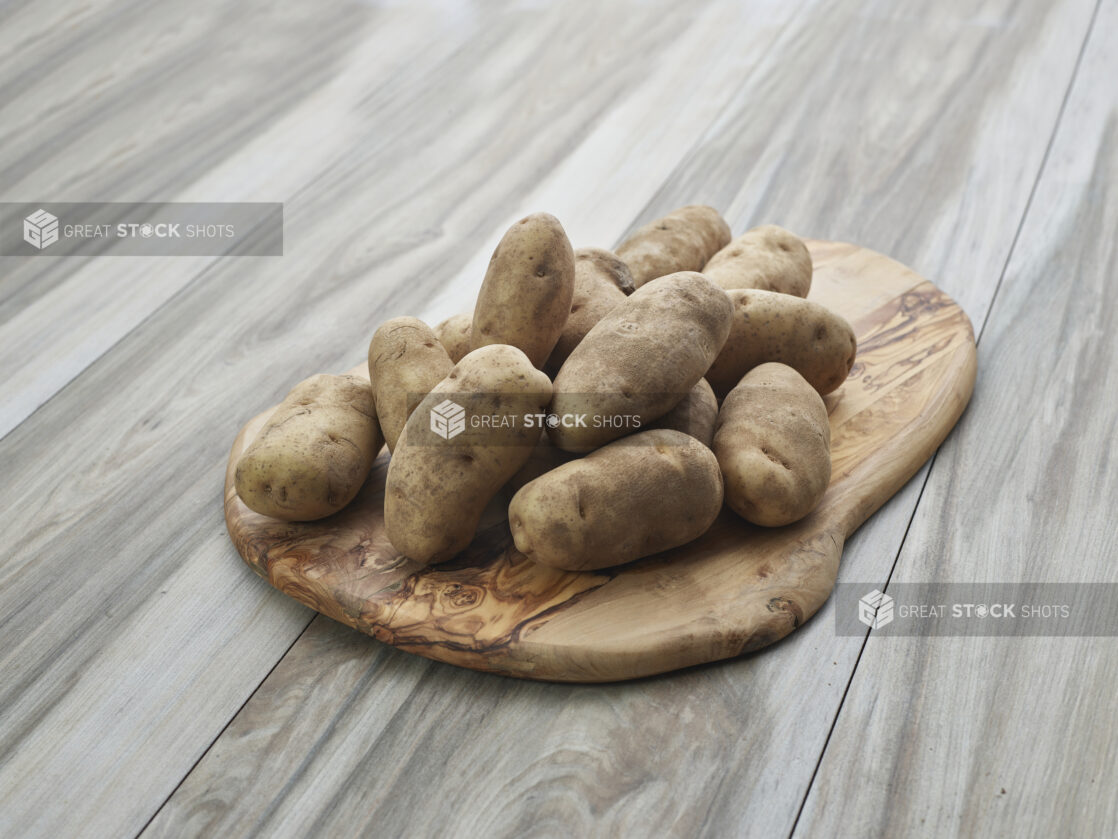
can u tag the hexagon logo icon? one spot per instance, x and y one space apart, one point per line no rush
448 419
40 229
875 610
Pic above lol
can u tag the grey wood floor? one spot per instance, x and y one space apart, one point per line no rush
151 685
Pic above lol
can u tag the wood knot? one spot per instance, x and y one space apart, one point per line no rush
458 596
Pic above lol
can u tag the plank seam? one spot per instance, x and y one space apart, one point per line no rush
224 728
978 338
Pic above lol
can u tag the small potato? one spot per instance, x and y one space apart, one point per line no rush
455 334
683 240
695 415
314 453
773 444
602 281
647 493
769 258
640 360
770 326
526 296
439 481
406 360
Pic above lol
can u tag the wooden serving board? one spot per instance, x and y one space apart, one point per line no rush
737 589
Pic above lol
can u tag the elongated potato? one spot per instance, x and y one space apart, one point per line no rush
647 493
769 326
695 415
768 257
314 453
456 335
640 360
683 240
773 444
602 281
406 360
444 469
526 296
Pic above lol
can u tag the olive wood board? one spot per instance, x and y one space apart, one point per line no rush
736 589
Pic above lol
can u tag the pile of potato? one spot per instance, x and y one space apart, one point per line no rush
705 342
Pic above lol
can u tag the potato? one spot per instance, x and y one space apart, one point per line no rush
526 295
406 360
683 240
602 281
770 326
773 444
454 334
647 493
640 360
437 488
314 452
695 415
769 258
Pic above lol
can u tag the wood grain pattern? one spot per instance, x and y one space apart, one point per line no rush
914 127
390 181
1011 736
724 750
736 589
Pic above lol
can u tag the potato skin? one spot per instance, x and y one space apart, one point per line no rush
642 358
405 360
526 295
315 451
773 444
436 492
647 493
683 240
768 257
695 415
602 281
455 334
770 326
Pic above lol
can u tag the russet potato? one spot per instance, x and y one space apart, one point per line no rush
683 240
641 495
640 360
314 452
773 444
438 487
770 326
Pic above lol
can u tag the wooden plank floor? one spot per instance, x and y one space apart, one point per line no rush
153 686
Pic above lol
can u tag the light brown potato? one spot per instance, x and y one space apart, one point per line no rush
526 296
640 360
455 334
602 281
647 493
438 486
768 257
773 444
683 240
315 451
769 326
695 415
406 360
